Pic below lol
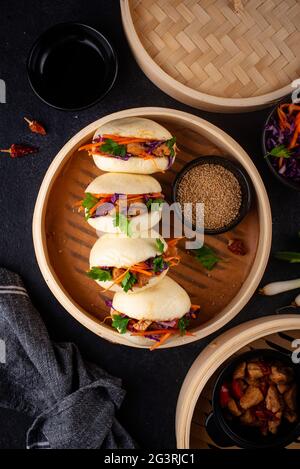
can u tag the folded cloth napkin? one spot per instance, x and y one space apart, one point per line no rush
73 402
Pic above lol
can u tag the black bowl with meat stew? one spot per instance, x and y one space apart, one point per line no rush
256 402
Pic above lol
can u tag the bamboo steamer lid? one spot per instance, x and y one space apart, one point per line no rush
217 55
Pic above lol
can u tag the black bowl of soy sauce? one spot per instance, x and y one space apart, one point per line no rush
72 66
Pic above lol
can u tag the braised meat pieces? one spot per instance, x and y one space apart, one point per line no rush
261 394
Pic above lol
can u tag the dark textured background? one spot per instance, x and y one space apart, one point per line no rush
152 380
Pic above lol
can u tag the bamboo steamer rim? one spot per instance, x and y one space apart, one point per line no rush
184 93
213 356
208 129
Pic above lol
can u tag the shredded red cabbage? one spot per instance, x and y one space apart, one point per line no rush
274 137
106 207
109 304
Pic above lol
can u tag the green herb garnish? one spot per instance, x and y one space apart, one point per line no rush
99 274
154 204
158 264
120 323
292 257
122 222
128 281
170 144
113 148
207 257
88 202
159 245
279 152
183 324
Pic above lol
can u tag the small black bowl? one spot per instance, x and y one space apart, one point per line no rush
237 170
287 182
71 66
227 433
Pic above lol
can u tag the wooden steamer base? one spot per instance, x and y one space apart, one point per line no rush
62 238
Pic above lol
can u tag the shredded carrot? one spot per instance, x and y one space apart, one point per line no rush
155 195
142 265
100 202
195 307
293 143
141 271
174 260
90 146
78 203
132 198
173 242
283 122
162 340
291 107
99 196
132 139
117 280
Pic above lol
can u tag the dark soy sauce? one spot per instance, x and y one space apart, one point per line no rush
74 73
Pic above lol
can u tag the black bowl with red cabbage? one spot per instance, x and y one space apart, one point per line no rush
281 142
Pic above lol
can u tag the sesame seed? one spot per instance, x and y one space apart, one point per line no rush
217 188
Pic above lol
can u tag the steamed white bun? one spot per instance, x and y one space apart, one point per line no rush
133 127
121 251
165 301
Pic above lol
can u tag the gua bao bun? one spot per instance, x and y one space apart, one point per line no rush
116 260
136 128
165 302
139 212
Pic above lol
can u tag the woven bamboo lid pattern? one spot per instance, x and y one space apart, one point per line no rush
206 46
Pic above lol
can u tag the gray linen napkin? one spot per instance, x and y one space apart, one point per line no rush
73 402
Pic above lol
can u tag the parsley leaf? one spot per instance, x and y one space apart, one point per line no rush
120 323
183 324
88 202
99 274
121 221
154 204
128 281
160 245
170 144
207 257
279 152
158 264
113 148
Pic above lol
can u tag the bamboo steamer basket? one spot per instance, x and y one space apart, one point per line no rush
205 55
62 238
194 402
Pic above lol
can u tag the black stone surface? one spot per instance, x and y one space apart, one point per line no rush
152 380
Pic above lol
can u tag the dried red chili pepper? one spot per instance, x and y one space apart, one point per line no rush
35 126
236 246
17 151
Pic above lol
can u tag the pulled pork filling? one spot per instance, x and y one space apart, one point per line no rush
137 275
132 205
158 331
131 147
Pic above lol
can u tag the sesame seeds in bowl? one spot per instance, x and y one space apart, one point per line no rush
221 185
